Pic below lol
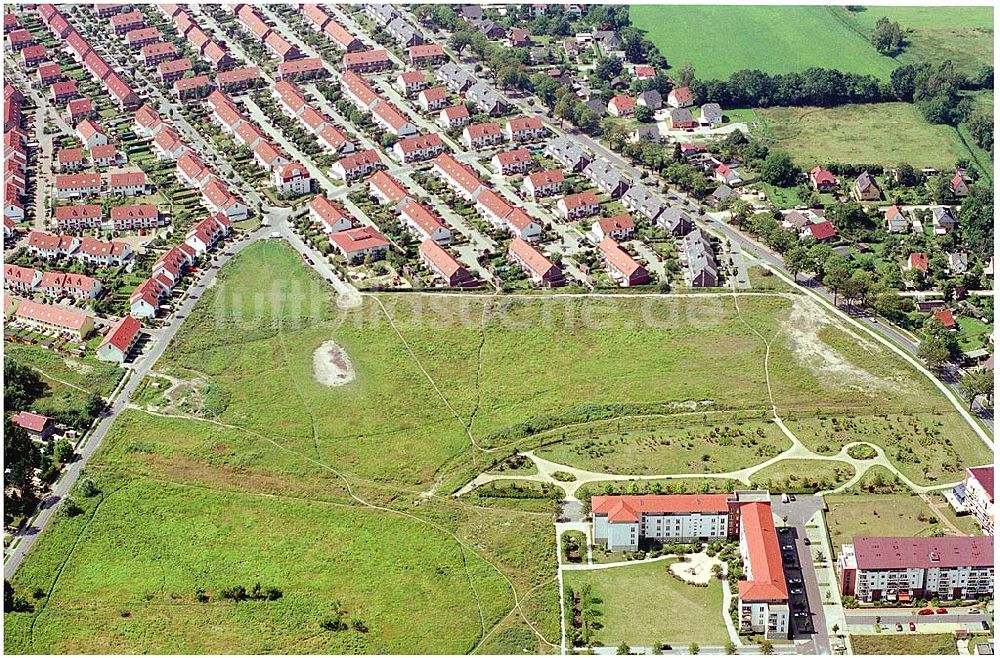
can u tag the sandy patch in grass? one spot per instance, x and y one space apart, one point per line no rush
695 568
803 326
331 367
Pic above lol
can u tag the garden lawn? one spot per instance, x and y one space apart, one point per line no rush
876 133
962 34
974 332
643 604
891 515
770 38
894 644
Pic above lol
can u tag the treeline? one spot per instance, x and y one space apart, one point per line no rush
934 88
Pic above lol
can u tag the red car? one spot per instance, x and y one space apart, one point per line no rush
913 626
926 611
942 611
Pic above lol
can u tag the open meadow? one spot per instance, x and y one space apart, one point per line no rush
879 133
337 496
774 39
962 34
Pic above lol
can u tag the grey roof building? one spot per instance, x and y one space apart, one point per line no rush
404 33
455 77
568 153
650 99
701 269
486 98
675 221
642 200
711 114
607 178
381 12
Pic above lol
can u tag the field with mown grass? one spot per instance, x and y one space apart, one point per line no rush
876 133
69 380
643 604
275 478
774 39
962 34
892 515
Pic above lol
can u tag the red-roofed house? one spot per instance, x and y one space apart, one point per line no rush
432 99
70 160
21 279
386 189
454 117
525 129
367 61
356 165
643 72
90 134
583 204
75 218
418 148
79 109
621 105
391 119
680 97
155 53
958 185
763 595
63 91
946 317
141 37
356 244
461 178
130 183
822 180
481 135
199 86
425 54
442 264
327 214
308 68
821 231
120 340
410 82
173 70
544 183
32 56
619 227
423 223
238 79
342 38
621 266
516 161
538 268
49 73
206 233
38 427
53 319
917 261
291 178
69 186
136 216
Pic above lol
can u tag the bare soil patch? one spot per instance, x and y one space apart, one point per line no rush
331 366
695 568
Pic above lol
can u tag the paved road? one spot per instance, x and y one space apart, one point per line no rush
797 514
905 616
27 536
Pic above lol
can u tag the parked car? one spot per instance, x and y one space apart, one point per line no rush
899 628
985 624
806 541
913 627
926 611
802 615
975 611
794 581
942 611
797 590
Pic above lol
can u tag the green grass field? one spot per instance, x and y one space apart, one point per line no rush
69 380
893 644
892 515
774 39
963 34
803 476
882 133
643 604
276 462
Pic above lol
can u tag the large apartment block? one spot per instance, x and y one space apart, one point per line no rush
904 569
623 521
975 496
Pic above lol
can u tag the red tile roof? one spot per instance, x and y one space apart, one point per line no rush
388 186
946 317
764 555
533 259
358 239
30 421
984 474
659 504
822 230
121 334
923 552
30 310
918 261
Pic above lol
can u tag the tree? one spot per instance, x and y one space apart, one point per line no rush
63 451
459 41
887 37
731 648
694 649
21 458
657 649
623 649
905 175
778 169
643 114
934 352
836 273
977 383
633 45
980 125
584 118
686 76
797 260
21 385
95 405
608 68
836 627
766 648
